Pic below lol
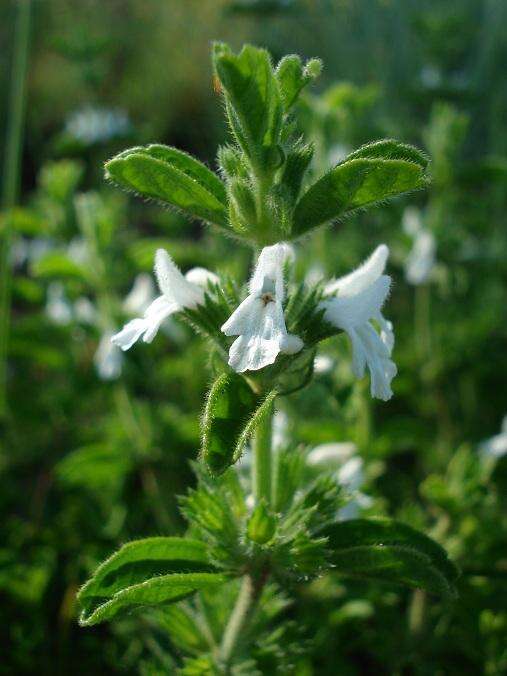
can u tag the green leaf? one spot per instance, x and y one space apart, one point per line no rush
155 591
185 163
296 163
172 177
352 185
388 550
133 575
292 77
181 625
252 100
96 467
232 413
390 149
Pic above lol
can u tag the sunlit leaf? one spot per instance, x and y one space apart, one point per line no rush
146 572
352 185
172 177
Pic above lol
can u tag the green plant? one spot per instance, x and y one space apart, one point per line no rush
253 540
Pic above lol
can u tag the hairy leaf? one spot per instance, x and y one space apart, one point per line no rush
155 591
231 415
390 149
292 77
134 566
354 184
392 551
252 100
172 177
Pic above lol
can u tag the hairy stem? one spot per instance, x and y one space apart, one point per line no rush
237 620
262 468
10 189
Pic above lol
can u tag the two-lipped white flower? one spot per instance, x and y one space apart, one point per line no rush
351 304
421 259
178 292
259 321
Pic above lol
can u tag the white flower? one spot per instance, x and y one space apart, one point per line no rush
357 299
58 306
496 446
178 292
259 322
140 296
323 364
331 455
421 259
348 468
108 358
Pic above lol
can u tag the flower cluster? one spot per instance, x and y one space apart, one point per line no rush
352 303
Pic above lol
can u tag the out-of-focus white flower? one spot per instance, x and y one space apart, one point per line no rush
108 358
85 311
93 125
337 153
421 259
331 455
78 250
258 321
140 296
352 303
178 292
323 364
495 447
280 430
431 76
341 458
58 306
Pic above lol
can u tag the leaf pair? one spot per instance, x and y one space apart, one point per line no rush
384 549
145 573
232 413
376 172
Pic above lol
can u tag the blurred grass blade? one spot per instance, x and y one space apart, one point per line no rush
11 176
171 177
388 550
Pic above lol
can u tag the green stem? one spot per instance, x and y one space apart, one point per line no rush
237 620
262 469
11 177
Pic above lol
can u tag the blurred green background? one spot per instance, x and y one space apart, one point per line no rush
95 449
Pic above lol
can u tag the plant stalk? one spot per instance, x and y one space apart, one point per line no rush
262 469
237 619
10 188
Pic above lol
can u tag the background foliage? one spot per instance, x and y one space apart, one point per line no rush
90 461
